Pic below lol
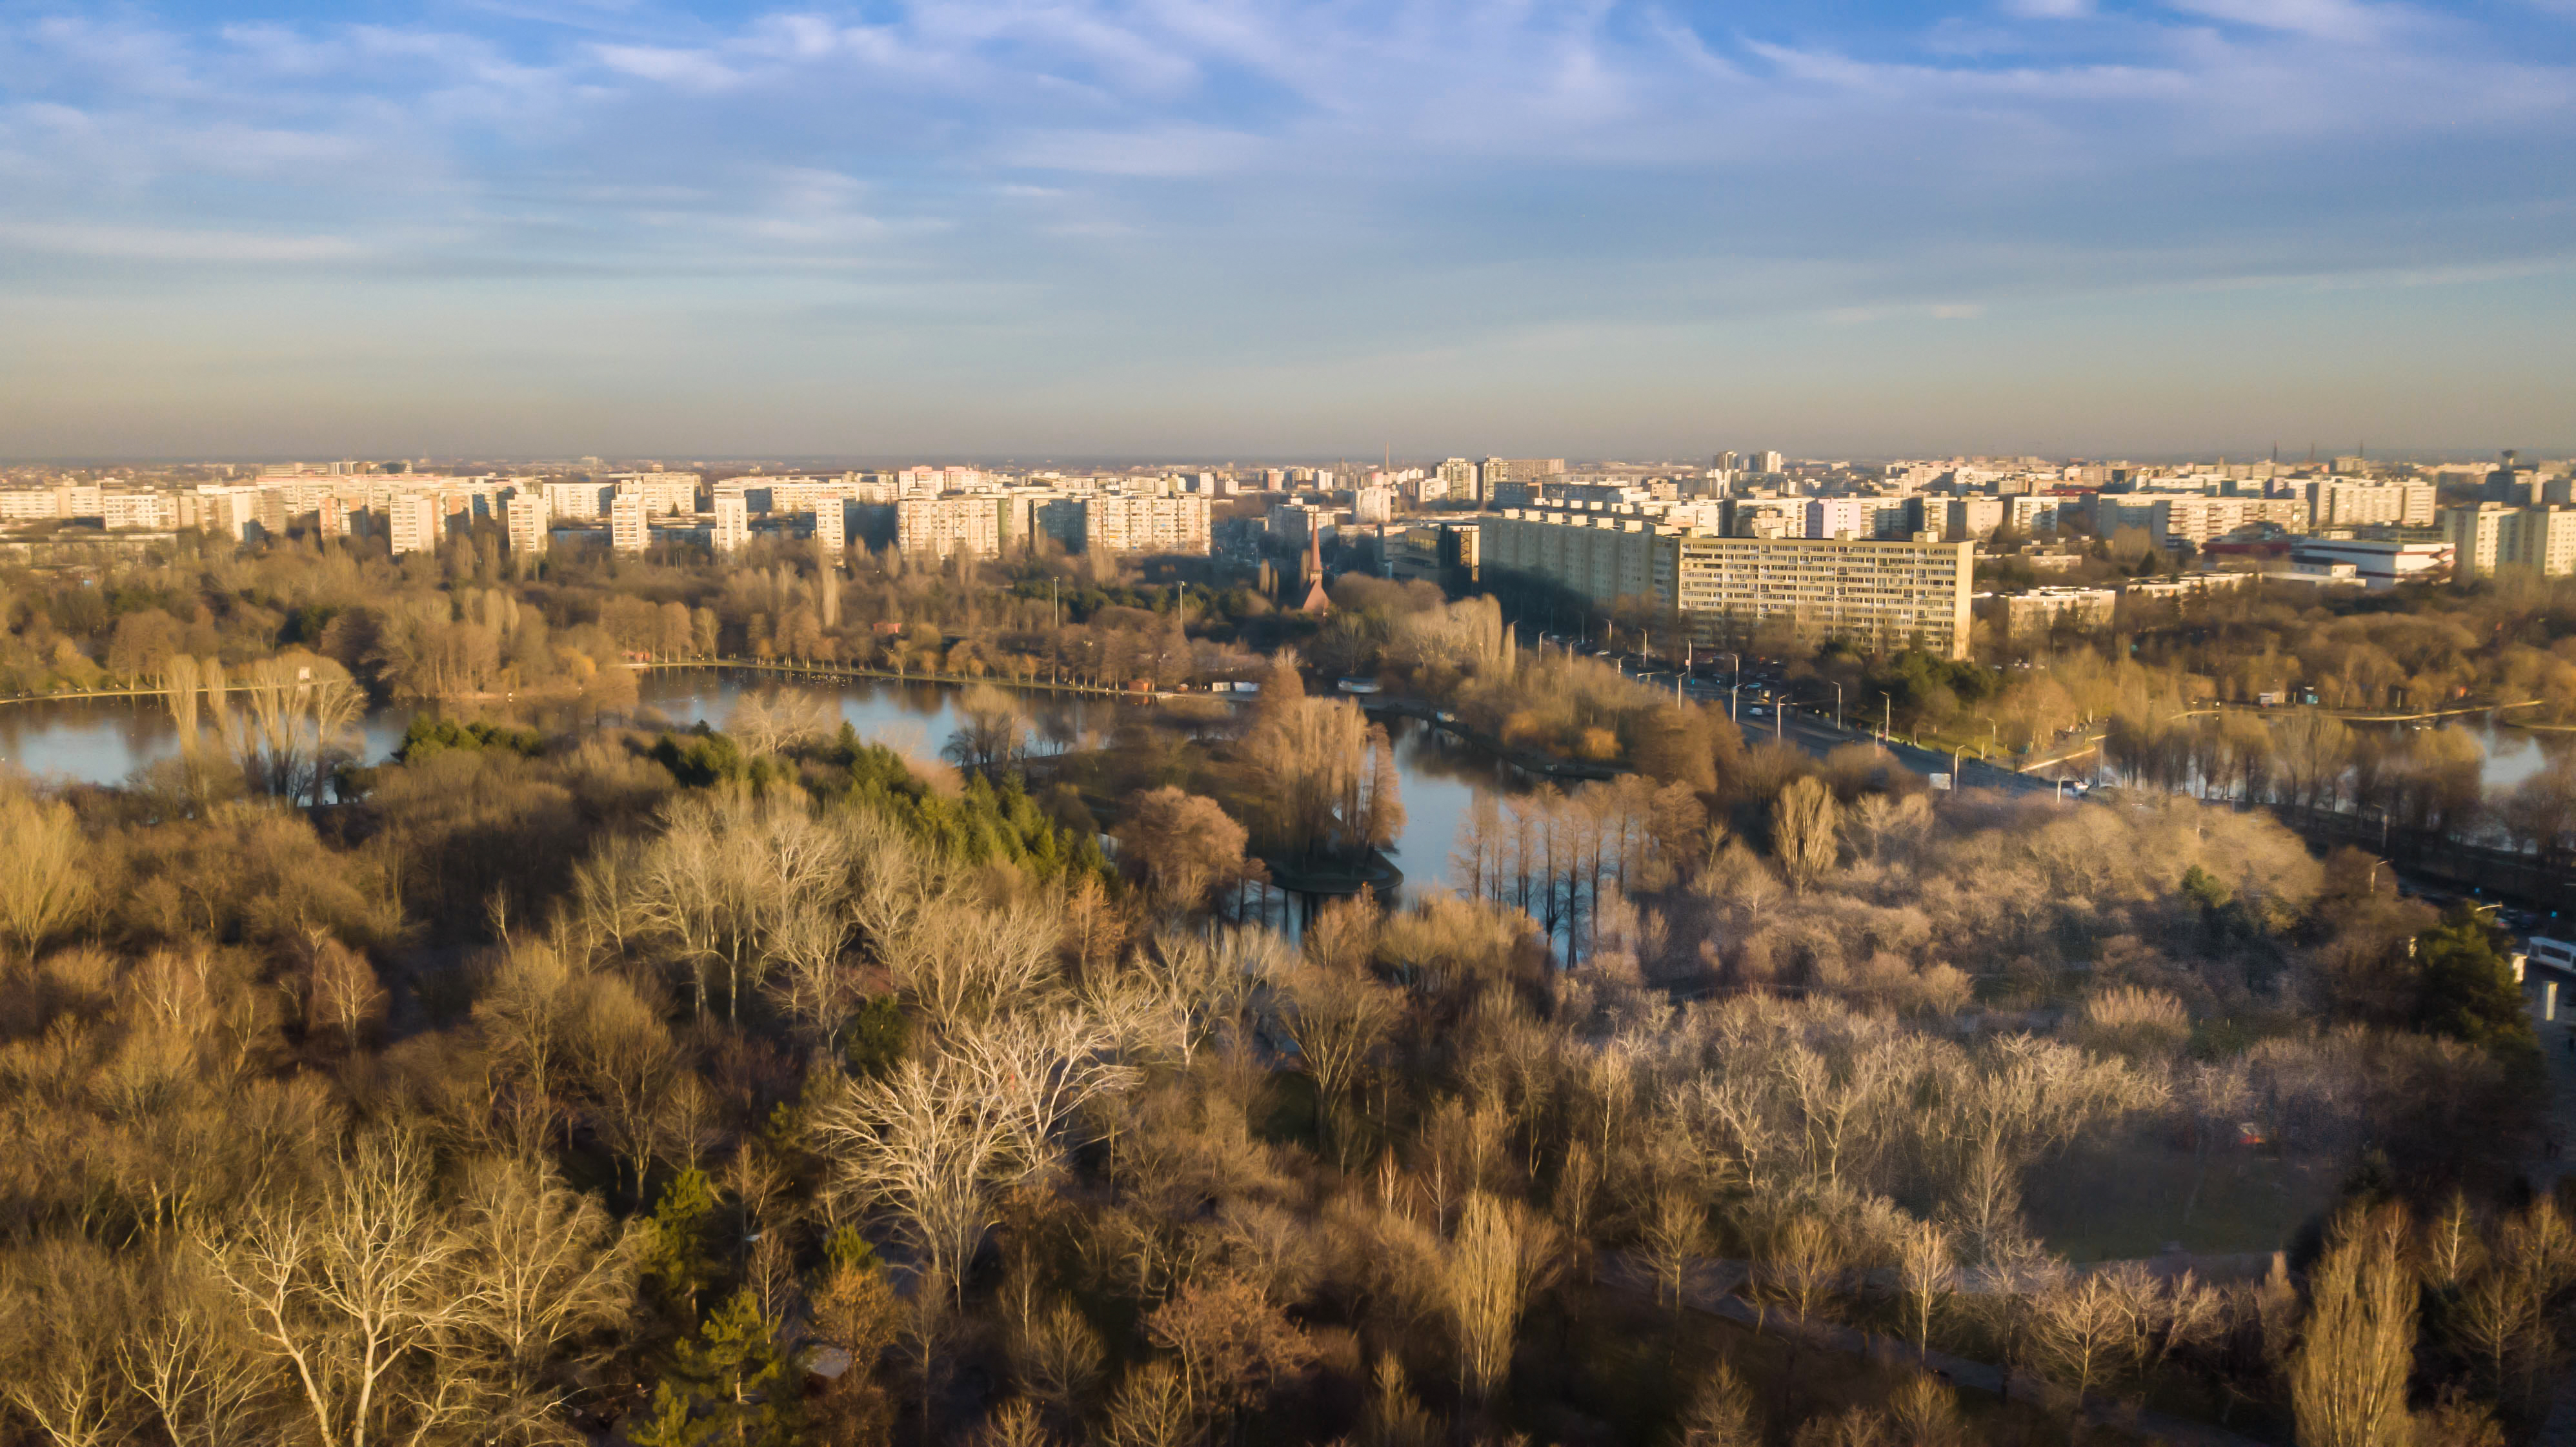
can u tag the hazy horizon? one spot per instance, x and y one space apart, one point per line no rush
1101 229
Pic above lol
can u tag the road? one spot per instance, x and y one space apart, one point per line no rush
1818 735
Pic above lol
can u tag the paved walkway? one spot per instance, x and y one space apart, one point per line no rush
1710 1287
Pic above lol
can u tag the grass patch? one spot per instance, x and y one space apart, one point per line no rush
2117 1202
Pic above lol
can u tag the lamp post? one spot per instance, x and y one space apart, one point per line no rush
1838 707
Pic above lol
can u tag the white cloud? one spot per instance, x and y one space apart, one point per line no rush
150 243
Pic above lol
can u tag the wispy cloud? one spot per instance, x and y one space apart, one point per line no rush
152 243
1352 173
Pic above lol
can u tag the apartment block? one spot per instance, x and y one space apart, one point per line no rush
832 525
414 523
2336 503
1604 557
525 519
938 526
732 529
663 492
627 532
585 500
2476 536
1912 592
1118 523
2539 540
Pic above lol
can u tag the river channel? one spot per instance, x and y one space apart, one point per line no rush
102 741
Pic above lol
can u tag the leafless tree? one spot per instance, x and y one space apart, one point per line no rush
44 885
1720 1413
962 959
190 1356
543 1270
1802 832
769 722
67 1304
2348 1376
1153 1409
1338 1020
1671 1235
356 1296
1926 1275
1500 1255
924 1143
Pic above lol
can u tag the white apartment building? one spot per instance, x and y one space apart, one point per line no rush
664 493
1895 593
2334 503
1130 523
587 501
627 532
2193 517
2493 538
1724 588
526 520
2476 536
732 528
151 510
1841 517
2540 540
832 526
414 523
1458 479
939 526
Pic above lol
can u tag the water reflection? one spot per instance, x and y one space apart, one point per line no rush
103 741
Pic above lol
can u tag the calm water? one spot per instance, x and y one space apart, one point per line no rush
103 741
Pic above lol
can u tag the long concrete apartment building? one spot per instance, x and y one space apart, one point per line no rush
1893 592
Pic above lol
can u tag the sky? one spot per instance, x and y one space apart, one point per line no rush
1286 228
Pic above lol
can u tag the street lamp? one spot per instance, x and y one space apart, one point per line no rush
1838 707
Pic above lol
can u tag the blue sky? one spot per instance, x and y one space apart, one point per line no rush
1212 227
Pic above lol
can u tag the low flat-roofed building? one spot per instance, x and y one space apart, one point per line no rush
2035 611
2381 563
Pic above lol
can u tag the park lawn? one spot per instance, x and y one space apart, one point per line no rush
2125 1200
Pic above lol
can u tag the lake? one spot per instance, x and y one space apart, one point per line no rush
102 741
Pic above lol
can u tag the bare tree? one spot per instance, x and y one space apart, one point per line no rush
1672 1234
1058 1358
67 1315
356 1297
1802 831
191 1358
1153 1409
1720 1413
1500 1255
772 721
44 884
2348 1376
1337 1020
923 1143
1926 1275
544 1270
962 959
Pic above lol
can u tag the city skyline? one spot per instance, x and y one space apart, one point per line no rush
1103 230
